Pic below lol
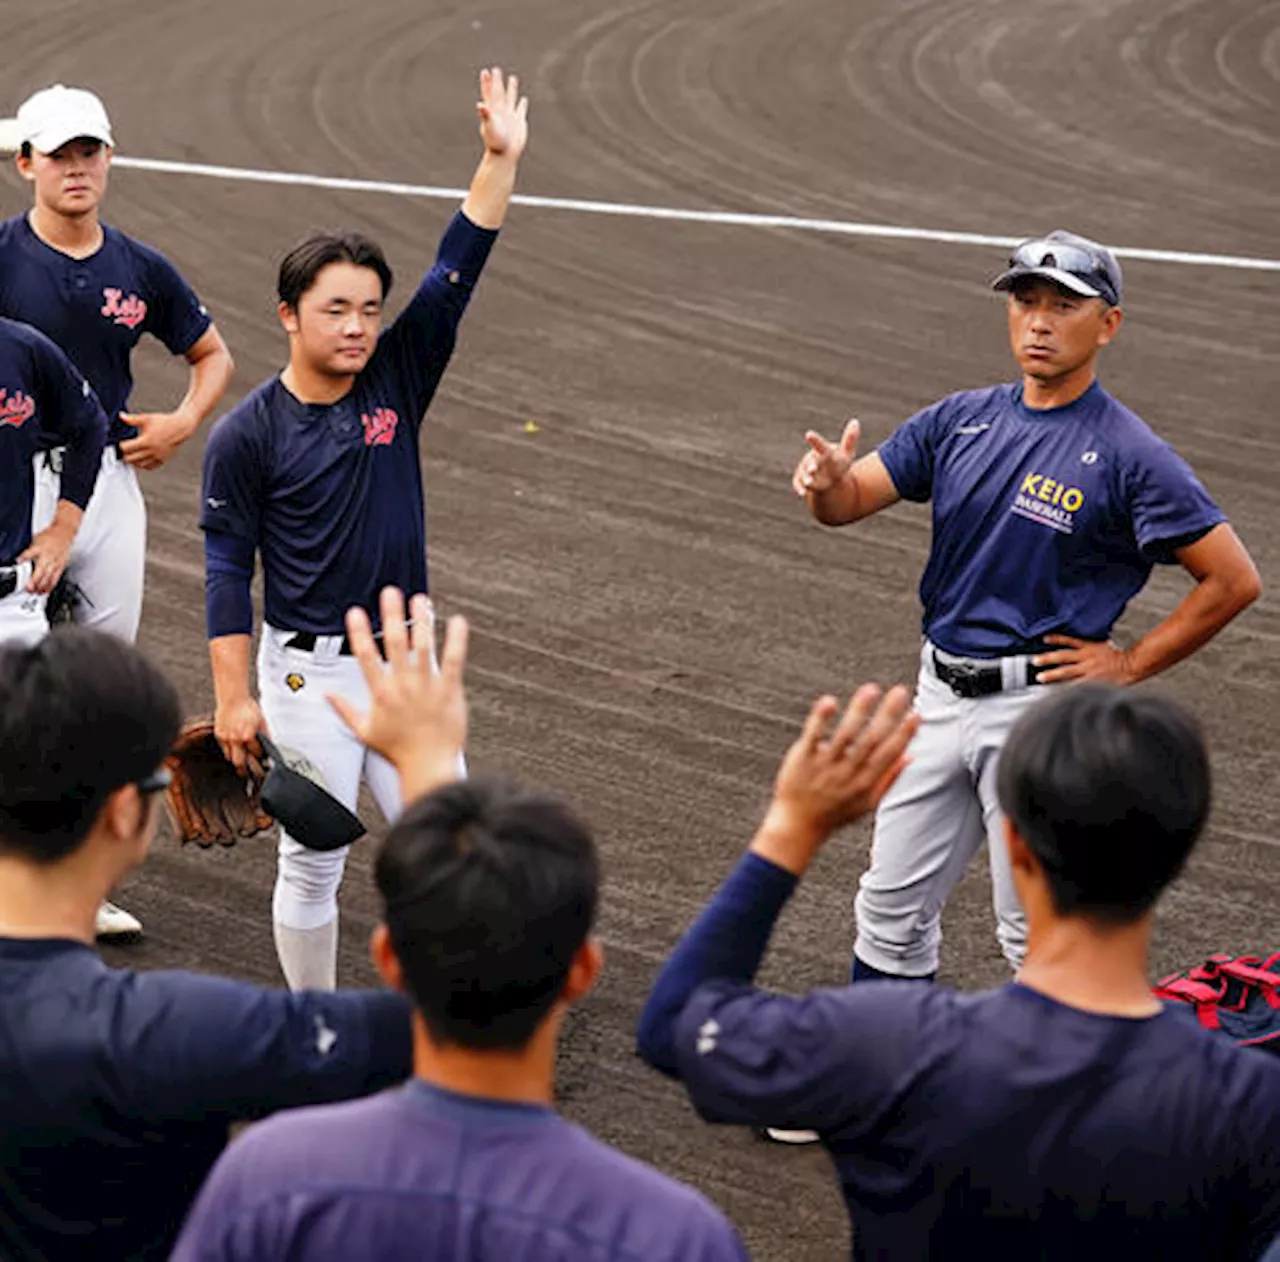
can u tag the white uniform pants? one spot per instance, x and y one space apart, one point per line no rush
933 821
22 619
109 555
292 685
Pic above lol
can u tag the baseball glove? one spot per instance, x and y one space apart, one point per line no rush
209 801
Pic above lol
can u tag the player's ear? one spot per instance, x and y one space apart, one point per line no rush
584 971
384 957
1020 857
25 167
288 317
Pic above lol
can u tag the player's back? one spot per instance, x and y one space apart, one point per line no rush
418 1172
1030 1129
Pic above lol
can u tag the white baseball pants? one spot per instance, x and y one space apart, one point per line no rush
109 555
22 619
933 821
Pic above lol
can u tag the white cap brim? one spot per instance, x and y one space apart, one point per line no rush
53 138
1068 280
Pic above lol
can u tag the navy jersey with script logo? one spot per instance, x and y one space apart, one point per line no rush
331 494
424 1173
44 402
1044 521
97 308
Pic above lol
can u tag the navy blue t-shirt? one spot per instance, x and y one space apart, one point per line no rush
1043 521
44 402
993 1125
423 1173
117 1088
331 494
98 308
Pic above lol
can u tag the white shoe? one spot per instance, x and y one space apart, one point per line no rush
115 922
777 1136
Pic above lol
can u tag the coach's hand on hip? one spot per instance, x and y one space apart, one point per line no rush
417 718
1102 660
831 777
236 725
160 434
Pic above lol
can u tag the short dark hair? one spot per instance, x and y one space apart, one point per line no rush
1110 789
489 891
300 267
82 713
26 149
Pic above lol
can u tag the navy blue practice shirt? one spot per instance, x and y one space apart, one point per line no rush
423 1173
1044 521
98 308
116 1088
44 402
331 494
993 1125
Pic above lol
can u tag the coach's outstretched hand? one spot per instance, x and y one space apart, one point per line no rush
831 777
825 465
504 114
417 719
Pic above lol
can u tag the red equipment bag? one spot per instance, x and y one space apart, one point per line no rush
1233 995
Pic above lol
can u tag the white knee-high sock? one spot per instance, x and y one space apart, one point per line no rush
308 957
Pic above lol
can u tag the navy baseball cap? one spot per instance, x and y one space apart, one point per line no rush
1075 263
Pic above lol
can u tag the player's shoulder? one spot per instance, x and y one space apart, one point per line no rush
968 407
39 345
249 421
12 231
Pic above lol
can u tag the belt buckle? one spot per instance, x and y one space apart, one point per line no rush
8 580
964 679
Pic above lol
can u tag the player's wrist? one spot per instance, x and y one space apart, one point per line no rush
789 836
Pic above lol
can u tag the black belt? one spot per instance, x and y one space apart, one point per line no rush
971 679
305 642
8 580
53 456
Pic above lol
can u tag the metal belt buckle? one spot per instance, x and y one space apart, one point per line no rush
964 680
8 580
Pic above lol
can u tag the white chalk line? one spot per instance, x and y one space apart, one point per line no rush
840 227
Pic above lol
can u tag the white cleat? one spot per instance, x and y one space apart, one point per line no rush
778 1136
114 922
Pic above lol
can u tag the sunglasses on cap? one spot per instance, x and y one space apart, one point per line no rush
1062 256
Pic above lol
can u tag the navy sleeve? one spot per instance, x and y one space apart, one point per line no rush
728 940
174 314
233 480
189 1048
417 347
909 452
70 411
831 1060
228 578
1168 506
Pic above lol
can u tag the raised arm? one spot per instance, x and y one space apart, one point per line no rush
504 129
837 487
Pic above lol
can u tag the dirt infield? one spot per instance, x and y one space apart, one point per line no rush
652 610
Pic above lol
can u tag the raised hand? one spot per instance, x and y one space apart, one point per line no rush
825 464
417 719
160 434
504 114
833 776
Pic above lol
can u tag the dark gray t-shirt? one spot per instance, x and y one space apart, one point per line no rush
422 1173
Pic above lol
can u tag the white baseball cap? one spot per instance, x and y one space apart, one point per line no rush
49 118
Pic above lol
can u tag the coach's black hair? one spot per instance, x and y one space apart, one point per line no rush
489 891
1110 789
300 267
26 150
82 713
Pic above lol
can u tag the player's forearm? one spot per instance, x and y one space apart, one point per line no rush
1206 609
727 941
229 660
211 374
66 519
490 191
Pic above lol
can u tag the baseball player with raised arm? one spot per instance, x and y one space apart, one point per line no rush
95 292
318 472
43 399
1051 503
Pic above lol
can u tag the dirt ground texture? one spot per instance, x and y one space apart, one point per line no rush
652 608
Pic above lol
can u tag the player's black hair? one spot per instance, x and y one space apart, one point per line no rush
1110 789
489 891
82 714
300 267
26 149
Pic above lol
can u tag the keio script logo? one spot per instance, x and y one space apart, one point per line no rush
130 311
380 428
16 409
